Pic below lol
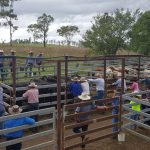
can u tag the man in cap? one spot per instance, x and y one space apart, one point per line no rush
118 83
81 118
30 62
15 123
100 85
32 96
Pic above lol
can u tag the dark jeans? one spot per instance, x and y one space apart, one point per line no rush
100 95
14 146
29 66
115 120
32 107
80 129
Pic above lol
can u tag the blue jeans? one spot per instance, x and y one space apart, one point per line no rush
115 120
134 117
100 95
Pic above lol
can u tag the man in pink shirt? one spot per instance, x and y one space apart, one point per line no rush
32 95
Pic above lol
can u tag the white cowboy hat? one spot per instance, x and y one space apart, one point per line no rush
32 84
75 79
83 79
14 109
1 51
98 75
12 51
84 97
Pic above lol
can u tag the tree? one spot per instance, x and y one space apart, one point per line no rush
110 31
9 15
140 34
43 23
68 32
34 29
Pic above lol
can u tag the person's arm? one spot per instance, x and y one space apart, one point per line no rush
116 83
77 111
25 95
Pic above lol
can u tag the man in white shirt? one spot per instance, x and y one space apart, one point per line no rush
85 86
100 86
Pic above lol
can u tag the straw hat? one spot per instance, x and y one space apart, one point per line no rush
83 79
12 51
84 97
32 84
31 52
15 109
1 51
75 79
98 75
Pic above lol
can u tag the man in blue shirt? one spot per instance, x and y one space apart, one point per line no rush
14 123
30 62
85 108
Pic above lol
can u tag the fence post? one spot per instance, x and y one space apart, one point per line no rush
105 76
66 76
14 78
59 123
139 67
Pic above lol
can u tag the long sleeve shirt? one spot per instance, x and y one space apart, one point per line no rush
119 83
30 60
15 123
85 87
32 95
100 83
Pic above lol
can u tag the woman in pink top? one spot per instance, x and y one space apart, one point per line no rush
32 95
135 85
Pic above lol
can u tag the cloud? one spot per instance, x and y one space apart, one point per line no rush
66 12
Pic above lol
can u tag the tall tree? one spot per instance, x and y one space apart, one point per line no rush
34 29
68 32
43 23
9 15
140 34
110 31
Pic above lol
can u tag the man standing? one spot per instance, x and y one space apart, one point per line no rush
39 61
30 62
100 85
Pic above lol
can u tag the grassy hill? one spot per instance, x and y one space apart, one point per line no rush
49 51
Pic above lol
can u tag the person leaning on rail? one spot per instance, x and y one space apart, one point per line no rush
85 117
100 86
15 123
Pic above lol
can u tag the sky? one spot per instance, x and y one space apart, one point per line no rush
65 12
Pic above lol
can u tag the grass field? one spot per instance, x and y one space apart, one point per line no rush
49 51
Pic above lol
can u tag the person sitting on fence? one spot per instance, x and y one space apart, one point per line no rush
100 86
2 71
85 117
118 83
136 107
32 95
39 61
115 110
15 123
135 85
75 88
12 53
85 86
30 62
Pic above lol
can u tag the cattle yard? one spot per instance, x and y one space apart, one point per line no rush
53 78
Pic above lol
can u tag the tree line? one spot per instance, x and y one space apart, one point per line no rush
109 31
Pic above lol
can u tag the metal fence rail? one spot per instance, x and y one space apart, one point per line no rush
144 113
49 121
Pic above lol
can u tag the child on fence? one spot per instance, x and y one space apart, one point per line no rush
85 117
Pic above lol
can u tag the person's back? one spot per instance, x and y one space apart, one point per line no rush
75 88
85 87
15 123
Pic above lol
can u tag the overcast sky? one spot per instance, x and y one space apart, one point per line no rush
65 12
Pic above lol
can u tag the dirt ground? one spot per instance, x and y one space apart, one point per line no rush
131 142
